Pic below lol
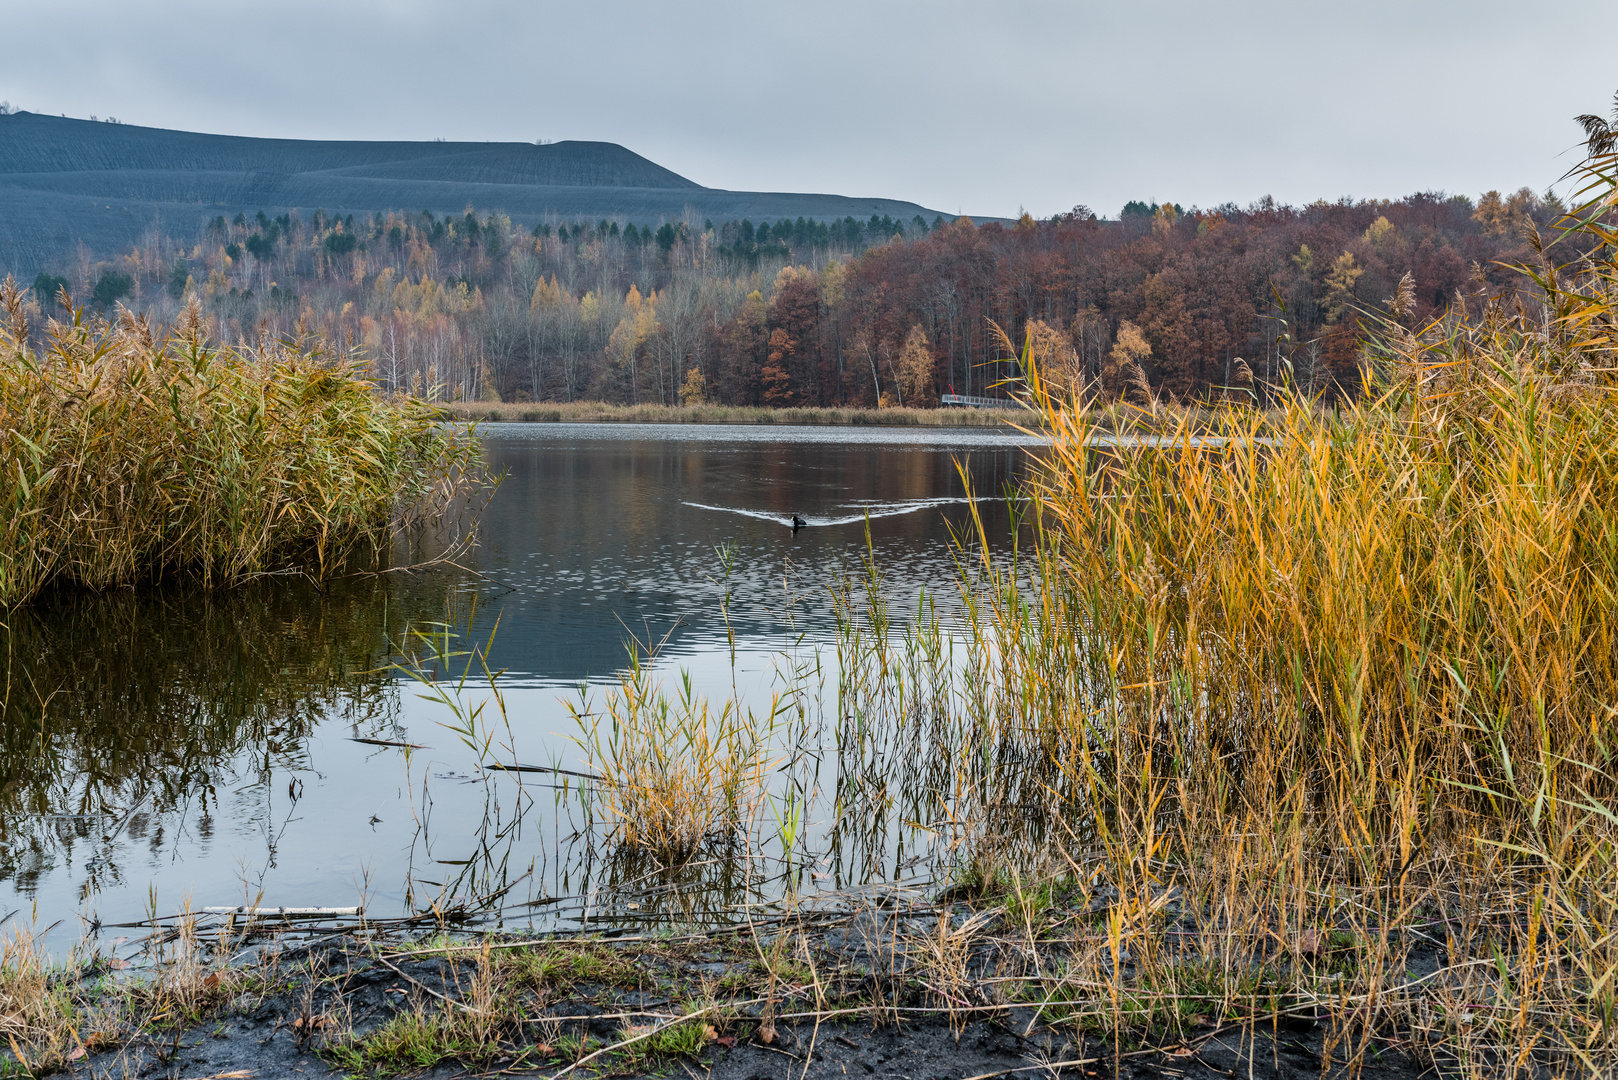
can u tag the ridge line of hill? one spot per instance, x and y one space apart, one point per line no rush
65 181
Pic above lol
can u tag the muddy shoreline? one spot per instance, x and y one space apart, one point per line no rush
267 1043
841 1001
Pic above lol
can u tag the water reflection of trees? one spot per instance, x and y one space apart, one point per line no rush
121 714
601 527
130 719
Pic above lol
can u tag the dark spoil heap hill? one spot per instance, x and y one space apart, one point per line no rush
64 182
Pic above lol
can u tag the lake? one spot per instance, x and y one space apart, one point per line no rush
168 746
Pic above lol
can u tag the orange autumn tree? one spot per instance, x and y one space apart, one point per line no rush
777 381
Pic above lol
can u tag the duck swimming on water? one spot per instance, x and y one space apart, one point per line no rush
798 523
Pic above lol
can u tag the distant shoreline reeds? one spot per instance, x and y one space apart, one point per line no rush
576 412
128 455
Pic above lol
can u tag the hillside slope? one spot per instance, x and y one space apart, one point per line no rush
64 182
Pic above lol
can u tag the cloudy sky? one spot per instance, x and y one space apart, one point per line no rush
963 106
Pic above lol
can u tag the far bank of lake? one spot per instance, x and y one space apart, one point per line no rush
575 412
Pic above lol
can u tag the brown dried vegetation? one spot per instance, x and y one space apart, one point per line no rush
128 454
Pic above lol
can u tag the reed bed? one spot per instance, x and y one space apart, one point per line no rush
1325 711
665 776
130 454
574 412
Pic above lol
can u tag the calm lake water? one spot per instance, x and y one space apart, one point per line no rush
166 747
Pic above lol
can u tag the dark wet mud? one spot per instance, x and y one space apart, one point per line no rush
313 1019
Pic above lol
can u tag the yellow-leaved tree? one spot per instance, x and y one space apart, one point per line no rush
831 284
1054 357
694 390
1383 237
915 374
1506 216
547 295
1341 281
628 341
1124 373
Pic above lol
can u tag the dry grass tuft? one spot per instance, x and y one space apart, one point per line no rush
38 1016
673 775
57 1011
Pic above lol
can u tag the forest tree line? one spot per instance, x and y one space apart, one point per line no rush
840 313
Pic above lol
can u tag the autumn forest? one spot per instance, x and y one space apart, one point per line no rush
1191 303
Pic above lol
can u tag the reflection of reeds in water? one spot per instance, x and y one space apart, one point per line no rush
128 455
128 707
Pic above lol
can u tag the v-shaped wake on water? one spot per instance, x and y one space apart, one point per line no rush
867 511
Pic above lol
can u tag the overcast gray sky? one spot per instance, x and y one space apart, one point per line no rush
959 105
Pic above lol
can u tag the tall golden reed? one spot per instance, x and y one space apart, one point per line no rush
126 455
1352 672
